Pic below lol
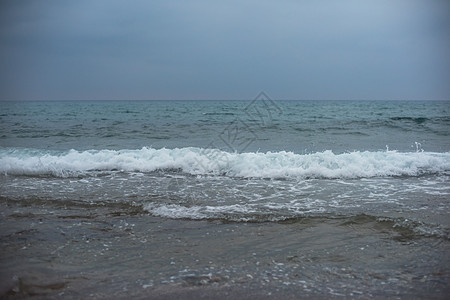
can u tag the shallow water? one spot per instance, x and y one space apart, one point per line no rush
78 251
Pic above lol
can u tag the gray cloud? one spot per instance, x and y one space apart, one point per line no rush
224 49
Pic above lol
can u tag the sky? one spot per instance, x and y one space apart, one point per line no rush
199 49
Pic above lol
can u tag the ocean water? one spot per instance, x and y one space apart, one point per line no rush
158 199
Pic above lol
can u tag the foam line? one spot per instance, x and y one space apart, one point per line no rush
211 161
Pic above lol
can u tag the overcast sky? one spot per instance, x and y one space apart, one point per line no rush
199 49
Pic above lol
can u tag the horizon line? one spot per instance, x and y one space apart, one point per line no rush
249 99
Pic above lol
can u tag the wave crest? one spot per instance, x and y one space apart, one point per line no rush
199 161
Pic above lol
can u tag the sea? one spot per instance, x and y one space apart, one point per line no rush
249 199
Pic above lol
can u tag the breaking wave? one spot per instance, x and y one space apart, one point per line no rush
199 161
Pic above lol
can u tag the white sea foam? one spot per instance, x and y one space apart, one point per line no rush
210 161
175 211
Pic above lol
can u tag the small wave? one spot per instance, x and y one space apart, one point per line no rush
233 212
418 120
199 161
230 213
218 114
401 229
